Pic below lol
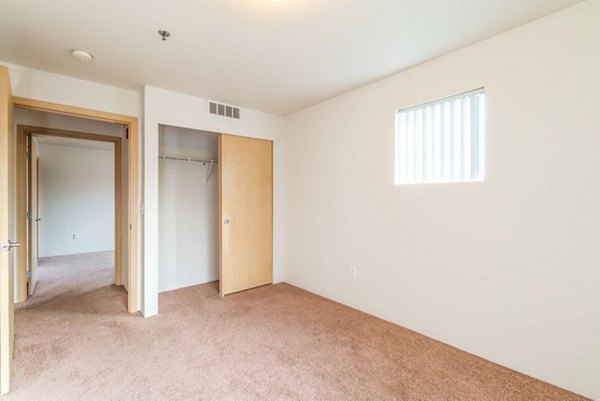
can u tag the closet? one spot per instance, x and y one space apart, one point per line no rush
188 208
215 210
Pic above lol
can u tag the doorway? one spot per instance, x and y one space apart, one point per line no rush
131 138
69 175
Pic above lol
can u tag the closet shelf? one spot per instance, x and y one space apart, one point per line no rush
210 162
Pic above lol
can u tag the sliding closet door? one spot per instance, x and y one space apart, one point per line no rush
246 213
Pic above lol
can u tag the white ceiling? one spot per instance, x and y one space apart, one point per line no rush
273 56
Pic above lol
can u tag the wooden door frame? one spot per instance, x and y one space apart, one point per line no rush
24 226
30 222
37 205
131 124
7 314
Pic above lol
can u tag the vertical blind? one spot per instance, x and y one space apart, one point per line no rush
441 141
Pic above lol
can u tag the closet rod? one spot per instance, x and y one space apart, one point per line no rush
187 159
211 162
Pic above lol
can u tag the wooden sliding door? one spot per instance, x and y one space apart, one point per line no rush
246 213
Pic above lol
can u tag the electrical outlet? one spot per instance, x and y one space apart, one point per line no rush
75 235
353 271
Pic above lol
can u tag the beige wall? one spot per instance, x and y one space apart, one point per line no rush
76 199
509 268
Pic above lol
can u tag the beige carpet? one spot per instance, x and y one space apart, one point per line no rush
75 341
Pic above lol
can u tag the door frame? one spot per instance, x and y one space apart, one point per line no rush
7 313
24 226
131 124
33 164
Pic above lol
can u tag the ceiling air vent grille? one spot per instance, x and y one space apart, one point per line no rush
224 110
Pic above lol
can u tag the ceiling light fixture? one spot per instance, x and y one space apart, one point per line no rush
164 34
82 55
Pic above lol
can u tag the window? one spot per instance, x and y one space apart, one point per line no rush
441 141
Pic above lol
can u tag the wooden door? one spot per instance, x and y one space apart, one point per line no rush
7 233
32 245
246 213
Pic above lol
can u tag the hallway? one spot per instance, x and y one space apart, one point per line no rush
71 280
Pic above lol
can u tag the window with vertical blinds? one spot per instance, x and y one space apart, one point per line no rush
441 141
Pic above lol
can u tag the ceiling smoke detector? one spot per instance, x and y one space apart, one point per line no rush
82 55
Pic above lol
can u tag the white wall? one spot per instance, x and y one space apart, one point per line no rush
42 85
188 210
76 197
178 110
49 87
509 268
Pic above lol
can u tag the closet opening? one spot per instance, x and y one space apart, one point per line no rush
215 210
188 208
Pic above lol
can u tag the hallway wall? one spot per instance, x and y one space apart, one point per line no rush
76 199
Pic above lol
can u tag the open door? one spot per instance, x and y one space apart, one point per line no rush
246 213
7 234
33 213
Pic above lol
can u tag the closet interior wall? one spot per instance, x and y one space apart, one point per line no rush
188 208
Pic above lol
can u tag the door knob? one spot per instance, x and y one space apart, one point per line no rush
6 246
226 221
38 219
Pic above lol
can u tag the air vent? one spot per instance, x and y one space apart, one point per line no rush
224 110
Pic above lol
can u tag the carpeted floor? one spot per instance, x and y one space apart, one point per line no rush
75 341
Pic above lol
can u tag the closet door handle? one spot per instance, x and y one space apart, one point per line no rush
226 221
